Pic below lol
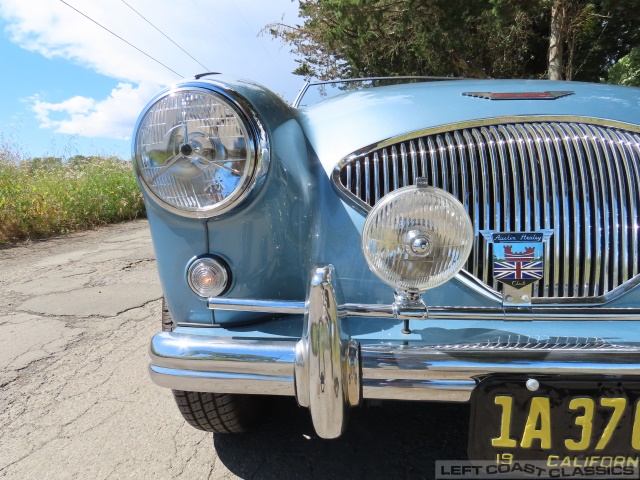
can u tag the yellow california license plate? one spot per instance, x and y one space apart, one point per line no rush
565 421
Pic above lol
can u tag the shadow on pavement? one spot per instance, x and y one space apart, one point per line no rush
396 440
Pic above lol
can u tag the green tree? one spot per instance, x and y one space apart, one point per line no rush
626 71
584 37
351 38
471 38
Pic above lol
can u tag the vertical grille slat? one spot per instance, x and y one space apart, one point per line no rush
552 219
442 162
385 170
624 209
518 194
484 265
581 205
632 221
601 159
396 169
565 218
405 165
631 142
423 157
579 179
414 163
358 180
465 193
452 154
477 191
433 178
376 177
529 174
367 181
597 226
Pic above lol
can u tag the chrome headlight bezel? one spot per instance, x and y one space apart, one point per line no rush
257 144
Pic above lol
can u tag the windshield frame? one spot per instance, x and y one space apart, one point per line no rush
305 87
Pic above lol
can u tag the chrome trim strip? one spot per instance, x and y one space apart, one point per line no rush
301 93
565 151
603 122
495 314
264 306
585 313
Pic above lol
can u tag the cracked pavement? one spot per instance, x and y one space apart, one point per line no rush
76 316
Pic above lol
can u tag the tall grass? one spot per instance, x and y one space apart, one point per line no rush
48 196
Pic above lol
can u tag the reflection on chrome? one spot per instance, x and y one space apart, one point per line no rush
589 256
329 372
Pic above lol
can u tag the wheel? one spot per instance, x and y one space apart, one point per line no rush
218 412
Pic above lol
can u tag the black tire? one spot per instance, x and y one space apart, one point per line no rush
218 412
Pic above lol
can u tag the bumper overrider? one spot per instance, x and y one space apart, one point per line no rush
329 372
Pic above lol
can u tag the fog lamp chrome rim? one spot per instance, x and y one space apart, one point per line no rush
417 238
207 277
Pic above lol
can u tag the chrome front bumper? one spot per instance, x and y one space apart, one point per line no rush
329 372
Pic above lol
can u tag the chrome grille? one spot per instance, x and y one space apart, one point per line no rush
580 179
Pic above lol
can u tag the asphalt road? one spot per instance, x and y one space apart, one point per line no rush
76 315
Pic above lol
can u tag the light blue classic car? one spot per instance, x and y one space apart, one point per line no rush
407 239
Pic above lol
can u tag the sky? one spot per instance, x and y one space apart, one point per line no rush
68 87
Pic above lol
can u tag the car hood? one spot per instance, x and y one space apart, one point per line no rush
341 125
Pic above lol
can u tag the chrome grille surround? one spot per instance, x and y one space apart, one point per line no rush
578 176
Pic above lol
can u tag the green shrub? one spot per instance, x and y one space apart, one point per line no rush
47 196
626 71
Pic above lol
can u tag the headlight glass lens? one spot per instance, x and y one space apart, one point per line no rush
416 238
194 152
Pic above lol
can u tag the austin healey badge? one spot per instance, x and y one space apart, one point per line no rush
518 258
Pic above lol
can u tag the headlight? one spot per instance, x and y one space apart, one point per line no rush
197 152
416 238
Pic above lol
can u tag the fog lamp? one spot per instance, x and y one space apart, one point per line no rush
207 277
417 237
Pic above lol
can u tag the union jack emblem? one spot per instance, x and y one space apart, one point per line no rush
518 256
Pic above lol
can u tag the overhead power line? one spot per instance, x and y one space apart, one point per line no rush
119 37
165 35
251 29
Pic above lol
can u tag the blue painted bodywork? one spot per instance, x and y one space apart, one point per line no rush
297 220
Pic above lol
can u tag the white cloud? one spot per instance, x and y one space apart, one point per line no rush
53 29
223 35
113 117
